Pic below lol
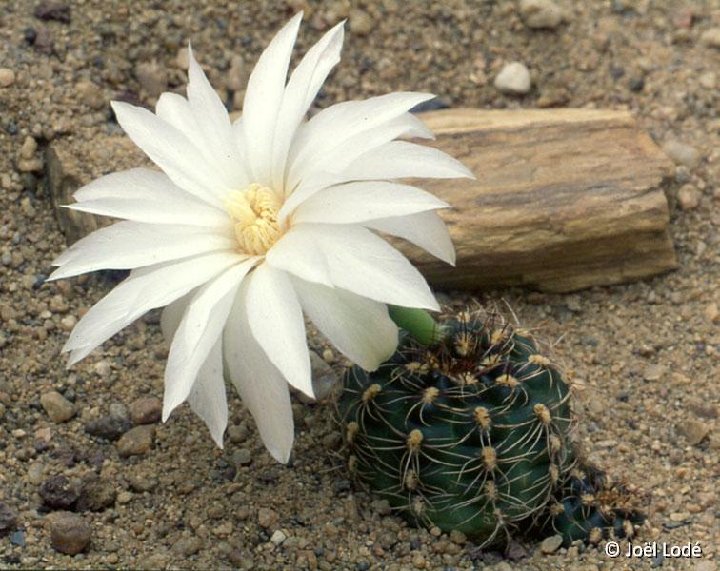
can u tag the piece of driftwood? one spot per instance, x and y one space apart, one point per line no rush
564 198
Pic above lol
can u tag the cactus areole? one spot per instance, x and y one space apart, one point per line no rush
471 433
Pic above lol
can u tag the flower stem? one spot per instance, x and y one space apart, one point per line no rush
418 323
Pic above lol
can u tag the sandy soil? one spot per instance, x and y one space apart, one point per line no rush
645 356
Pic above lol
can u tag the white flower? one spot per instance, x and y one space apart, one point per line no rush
252 223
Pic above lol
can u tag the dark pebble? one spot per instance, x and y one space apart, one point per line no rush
44 42
617 72
18 538
636 84
69 533
8 519
108 427
96 495
30 34
59 492
53 10
362 566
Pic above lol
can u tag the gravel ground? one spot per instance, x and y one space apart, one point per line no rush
82 454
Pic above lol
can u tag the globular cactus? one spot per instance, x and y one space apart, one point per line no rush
471 433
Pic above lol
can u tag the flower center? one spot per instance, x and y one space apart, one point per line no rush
254 214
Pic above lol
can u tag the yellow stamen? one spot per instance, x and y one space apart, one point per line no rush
254 213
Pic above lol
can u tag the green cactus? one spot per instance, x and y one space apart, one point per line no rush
471 433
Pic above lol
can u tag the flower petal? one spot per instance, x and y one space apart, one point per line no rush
362 201
400 159
305 82
207 398
424 229
352 258
276 322
172 151
359 327
321 169
144 290
263 98
260 385
214 127
199 329
145 195
127 245
331 128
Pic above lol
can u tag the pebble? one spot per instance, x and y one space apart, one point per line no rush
152 77
136 441
90 94
57 407
108 427
146 410
97 495
7 77
68 322
551 544
188 546
242 457
688 197
28 148
102 369
708 80
514 78
711 38
324 380
53 10
541 14
267 517
8 519
35 473
694 431
238 433
182 59
69 532
278 537
360 22
682 154
712 313
237 75
654 372
60 492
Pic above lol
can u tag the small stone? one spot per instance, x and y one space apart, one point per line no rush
242 457
711 38
90 94
267 517
108 427
654 372
689 197
68 322
136 441
28 149
712 313
237 433
53 10
7 77
8 519
708 80
57 407
152 77
96 495
188 546
278 537
102 369
694 431
382 507
541 14
124 497
142 482
551 544
514 78
69 532
237 75
360 22
457 536
35 473
60 492
682 154
182 59
324 380
146 410
118 410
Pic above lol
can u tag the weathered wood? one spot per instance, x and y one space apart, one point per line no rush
564 198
